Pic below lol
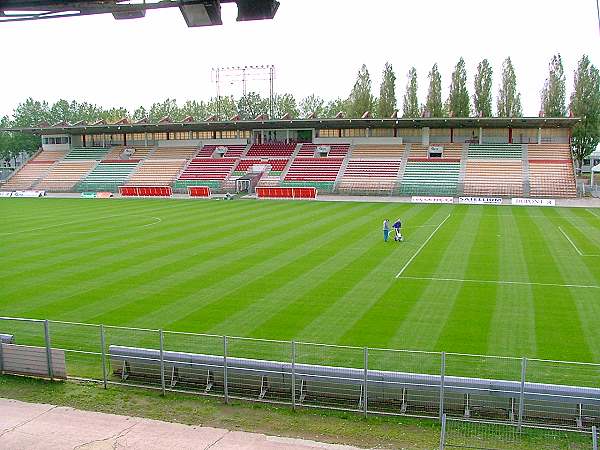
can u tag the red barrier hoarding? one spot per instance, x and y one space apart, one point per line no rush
287 192
199 191
146 191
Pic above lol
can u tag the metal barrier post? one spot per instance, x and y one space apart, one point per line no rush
1 359
443 433
48 349
225 385
162 361
442 380
522 392
103 346
365 375
594 438
294 375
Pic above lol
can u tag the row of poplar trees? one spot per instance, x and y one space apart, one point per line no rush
584 102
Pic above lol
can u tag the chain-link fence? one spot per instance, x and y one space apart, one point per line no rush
462 434
516 392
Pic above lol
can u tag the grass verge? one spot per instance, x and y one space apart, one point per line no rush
325 426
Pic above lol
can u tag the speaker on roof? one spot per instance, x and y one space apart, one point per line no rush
201 14
256 9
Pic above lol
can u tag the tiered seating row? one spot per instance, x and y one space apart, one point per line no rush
335 150
28 175
548 151
277 165
494 177
378 151
450 151
107 176
87 153
208 169
496 151
382 169
233 151
159 172
65 175
377 175
50 155
174 153
314 169
272 150
115 153
551 178
430 178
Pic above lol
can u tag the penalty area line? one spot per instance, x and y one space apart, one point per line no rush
421 247
523 283
569 239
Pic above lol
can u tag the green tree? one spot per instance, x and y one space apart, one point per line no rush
458 99
5 139
252 105
312 104
585 104
509 99
554 91
336 106
63 111
224 108
361 99
140 113
410 104
87 112
30 113
433 104
166 108
482 97
285 104
386 105
114 114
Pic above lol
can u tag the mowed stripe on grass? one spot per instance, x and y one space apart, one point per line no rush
311 271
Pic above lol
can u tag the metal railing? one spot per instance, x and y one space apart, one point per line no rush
458 433
520 392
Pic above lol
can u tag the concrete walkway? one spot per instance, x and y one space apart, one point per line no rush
39 426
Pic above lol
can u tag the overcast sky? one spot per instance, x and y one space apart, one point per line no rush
317 46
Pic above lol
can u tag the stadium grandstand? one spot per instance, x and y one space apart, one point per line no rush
404 157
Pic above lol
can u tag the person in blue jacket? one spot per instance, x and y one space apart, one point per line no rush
386 230
397 225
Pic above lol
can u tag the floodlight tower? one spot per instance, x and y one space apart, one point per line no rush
241 75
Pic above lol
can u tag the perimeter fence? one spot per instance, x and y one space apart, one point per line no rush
515 392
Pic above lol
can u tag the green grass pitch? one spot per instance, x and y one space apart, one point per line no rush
514 281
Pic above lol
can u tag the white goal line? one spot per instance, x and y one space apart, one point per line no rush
522 283
421 247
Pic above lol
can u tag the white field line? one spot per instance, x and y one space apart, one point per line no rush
523 283
422 246
156 220
116 227
80 221
65 223
569 239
